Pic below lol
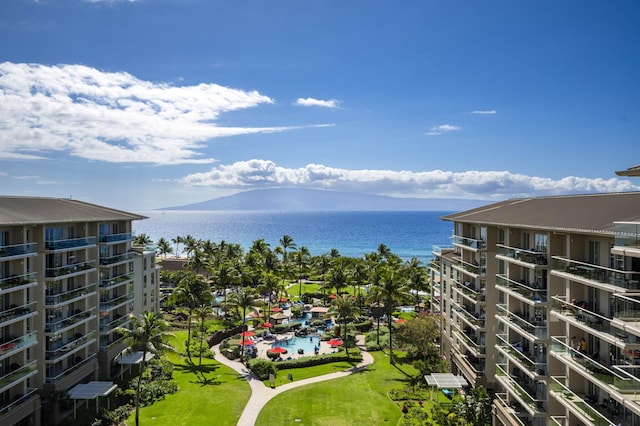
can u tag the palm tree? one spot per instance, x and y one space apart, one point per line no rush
416 276
345 311
164 247
177 241
202 313
392 290
148 335
286 242
142 240
301 259
244 299
338 278
193 292
191 244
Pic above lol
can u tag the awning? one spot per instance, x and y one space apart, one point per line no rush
445 381
91 390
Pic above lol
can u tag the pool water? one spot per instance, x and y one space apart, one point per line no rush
297 342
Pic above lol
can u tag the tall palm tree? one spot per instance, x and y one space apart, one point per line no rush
191 244
177 241
286 242
416 276
301 258
244 299
142 240
345 311
147 334
202 313
164 247
193 292
392 290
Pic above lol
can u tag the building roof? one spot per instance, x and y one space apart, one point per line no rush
35 210
575 213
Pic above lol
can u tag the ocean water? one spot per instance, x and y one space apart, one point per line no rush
352 233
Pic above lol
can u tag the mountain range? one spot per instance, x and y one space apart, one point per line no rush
293 199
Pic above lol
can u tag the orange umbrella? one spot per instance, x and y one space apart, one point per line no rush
247 334
247 343
278 350
335 342
267 325
276 309
401 320
333 296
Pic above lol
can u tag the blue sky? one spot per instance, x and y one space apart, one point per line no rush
152 103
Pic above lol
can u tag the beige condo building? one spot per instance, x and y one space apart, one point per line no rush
68 276
540 301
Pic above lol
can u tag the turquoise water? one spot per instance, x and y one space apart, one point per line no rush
292 345
353 234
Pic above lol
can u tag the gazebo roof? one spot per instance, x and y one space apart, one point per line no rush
134 358
445 381
91 390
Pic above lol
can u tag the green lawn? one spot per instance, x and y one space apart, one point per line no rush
358 399
220 400
313 371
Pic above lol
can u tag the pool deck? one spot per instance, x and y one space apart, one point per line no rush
264 345
261 394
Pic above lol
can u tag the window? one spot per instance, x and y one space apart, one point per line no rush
594 252
526 240
541 243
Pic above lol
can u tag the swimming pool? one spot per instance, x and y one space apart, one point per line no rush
293 344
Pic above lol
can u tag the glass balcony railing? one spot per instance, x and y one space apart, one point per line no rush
530 291
534 405
576 404
501 399
56 323
469 242
593 320
472 291
601 274
69 269
18 250
31 392
18 281
17 312
627 234
517 354
105 261
471 268
535 257
472 342
115 238
10 346
64 349
626 307
536 331
114 301
70 243
109 344
56 299
107 325
117 280
57 373
17 375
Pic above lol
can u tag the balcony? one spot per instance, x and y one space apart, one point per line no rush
75 243
589 321
470 341
63 350
115 301
13 346
107 325
115 281
17 250
118 258
70 296
535 407
469 243
474 319
531 293
616 376
590 273
627 234
468 290
517 322
17 313
18 282
115 238
18 375
531 257
70 269
472 371
472 269
15 405
508 413
519 356
57 374
56 323
576 404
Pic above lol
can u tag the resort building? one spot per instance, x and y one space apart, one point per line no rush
68 277
540 301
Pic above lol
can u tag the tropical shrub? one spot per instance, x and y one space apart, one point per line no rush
262 368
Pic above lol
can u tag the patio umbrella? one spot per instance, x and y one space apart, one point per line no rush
333 296
335 342
267 325
278 350
283 299
276 309
247 334
247 343
401 320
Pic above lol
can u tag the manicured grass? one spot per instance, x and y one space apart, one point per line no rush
358 399
306 372
219 400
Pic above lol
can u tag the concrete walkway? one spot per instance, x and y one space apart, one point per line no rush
261 394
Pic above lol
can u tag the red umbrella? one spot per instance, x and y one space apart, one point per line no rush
335 342
278 350
276 309
401 320
283 299
333 296
247 343
247 334
267 325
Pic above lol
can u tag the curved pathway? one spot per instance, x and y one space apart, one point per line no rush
261 394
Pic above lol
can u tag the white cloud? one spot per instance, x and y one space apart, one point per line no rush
309 102
112 116
254 174
443 128
484 112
